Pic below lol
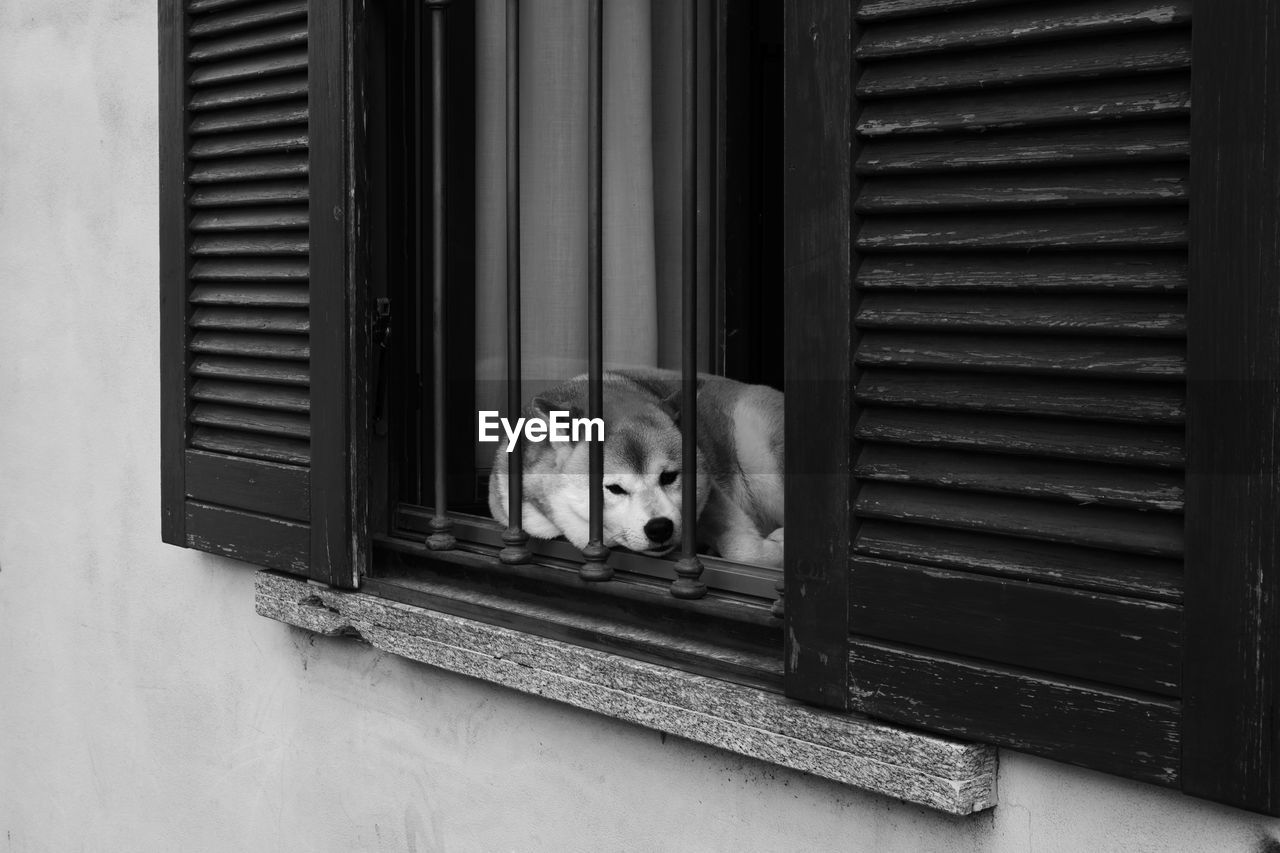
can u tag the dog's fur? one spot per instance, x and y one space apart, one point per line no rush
740 467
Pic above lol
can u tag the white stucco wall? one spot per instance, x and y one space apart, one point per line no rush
145 707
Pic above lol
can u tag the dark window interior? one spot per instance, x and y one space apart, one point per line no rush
746 320
401 197
750 144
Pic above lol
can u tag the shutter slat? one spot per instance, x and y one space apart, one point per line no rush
1153 534
249 68
1161 96
1102 357
257 219
255 41
278 398
1047 479
286 347
276 320
1145 316
250 169
283 424
1058 230
198 6
237 145
1096 58
1123 402
282 114
881 10
1124 641
249 244
265 269
243 195
1148 445
1143 577
1110 272
1135 185
250 17
1068 146
260 294
251 445
249 93
252 370
1020 24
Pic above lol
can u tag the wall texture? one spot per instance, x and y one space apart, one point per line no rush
143 705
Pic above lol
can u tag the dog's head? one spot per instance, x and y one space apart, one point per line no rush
643 483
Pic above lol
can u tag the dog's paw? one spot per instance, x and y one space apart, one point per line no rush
752 548
771 548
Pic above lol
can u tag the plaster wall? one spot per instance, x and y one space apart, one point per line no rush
145 707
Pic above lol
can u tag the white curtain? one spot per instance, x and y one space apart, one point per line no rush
642 215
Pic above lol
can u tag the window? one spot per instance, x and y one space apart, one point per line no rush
640 229
1028 309
544 195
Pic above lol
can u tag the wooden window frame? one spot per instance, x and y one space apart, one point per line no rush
341 312
819 308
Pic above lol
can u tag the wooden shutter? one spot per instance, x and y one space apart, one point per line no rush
260 326
1019 275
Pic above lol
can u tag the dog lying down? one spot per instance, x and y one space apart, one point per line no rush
740 467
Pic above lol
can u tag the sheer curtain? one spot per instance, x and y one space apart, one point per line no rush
642 218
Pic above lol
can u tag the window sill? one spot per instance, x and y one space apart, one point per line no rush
947 775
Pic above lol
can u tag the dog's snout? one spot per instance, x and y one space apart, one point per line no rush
659 529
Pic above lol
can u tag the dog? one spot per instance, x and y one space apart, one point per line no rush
739 467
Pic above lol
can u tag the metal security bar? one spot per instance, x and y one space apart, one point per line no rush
689 568
441 539
515 541
595 554
596 561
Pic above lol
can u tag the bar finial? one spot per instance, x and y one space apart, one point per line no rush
687 583
595 568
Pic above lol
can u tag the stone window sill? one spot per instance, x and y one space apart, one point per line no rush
938 772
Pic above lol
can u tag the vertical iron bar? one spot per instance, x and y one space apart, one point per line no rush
440 539
419 217
719 194
514 539
595 553
689 568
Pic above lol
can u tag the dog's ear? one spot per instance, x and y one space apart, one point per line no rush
671 405
545 407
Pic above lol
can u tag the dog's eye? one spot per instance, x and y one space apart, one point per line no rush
616 489
666 478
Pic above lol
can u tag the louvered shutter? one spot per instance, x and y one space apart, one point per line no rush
257 317
1021 276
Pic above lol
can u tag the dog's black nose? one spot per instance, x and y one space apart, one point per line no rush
659 529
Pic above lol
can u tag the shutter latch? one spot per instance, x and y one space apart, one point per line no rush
381 341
